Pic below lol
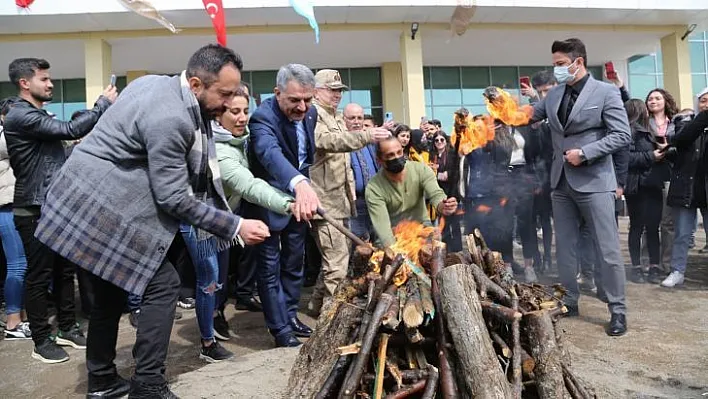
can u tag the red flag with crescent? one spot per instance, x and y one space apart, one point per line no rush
215 10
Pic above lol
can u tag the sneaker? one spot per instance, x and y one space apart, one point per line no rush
187 303
655 275
530 275
221 327
703 250
143 391
74 338
587 284
637 275
133 318
214 353
674 279
49 352
21 331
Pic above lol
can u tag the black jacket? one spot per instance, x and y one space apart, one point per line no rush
34 143
689 163
644 171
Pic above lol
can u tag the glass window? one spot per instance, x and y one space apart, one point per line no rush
262 84
74 91
474 81
642 64
57 109
426 78
7 89
446 115
505 77
696 36
445 82
531 70
698 56
641 84
659 63
596 72
365 85
699 83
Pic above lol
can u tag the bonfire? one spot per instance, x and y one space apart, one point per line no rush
413 321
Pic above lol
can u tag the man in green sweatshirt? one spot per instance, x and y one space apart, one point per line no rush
399 191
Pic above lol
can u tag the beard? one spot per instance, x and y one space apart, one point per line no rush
42 97
211 112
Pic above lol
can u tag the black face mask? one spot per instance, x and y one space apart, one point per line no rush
395 165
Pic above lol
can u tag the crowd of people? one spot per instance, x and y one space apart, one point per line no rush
174 193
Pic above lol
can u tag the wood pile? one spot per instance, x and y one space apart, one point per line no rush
416 322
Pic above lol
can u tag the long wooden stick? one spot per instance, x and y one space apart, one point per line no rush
408 390
336 376
489 286
500 312
497 339
580 388
342 229
447 380
357 368
381 366
431 386
516 354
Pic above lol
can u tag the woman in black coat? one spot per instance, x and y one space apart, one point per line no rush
447 162
645 180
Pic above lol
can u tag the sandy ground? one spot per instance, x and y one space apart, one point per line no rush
664 355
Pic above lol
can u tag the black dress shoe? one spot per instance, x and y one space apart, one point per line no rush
618 325
251 304
299 328
119 388
572 311
287 341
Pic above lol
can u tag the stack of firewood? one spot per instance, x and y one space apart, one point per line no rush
454 324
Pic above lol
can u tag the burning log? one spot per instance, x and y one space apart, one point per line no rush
544 349
478 365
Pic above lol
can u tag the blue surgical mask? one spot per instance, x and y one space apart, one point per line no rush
563 75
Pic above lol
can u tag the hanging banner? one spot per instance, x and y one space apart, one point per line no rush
147 10
215 10
307 10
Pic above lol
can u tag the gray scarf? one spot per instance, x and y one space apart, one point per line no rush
221 135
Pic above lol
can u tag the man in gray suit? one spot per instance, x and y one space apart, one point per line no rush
588 124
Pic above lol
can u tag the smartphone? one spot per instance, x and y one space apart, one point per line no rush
113 80
610 71
388 117
661 140
524 80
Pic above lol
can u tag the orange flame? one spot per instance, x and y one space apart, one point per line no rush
506 109
484 209
477 132
503 201
411 236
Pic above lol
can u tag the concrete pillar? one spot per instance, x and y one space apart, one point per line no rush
98 68
392 89
412 77
676 61
132 75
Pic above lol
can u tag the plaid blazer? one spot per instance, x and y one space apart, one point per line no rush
116 205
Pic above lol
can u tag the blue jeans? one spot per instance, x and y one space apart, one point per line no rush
16 261
684 226
207 271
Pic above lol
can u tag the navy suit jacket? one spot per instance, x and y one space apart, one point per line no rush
273 154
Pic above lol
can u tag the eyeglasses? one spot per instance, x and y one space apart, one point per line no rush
439 140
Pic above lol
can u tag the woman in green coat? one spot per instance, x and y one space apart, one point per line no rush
231 135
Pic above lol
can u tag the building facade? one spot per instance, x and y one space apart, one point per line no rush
389 65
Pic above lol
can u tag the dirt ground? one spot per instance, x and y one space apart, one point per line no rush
664 355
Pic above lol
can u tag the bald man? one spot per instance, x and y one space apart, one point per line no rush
364 167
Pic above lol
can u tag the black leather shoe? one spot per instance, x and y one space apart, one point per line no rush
119 388
572 311
287 341
251 304
618 325
299 328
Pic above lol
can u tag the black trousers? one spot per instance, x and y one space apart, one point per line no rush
494 217
157 312
645 215
246 274
543 212
452 233
45 266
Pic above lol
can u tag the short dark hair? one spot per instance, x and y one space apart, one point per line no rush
436 122
378 145
25 68
207 62
574 47
368 117
543 78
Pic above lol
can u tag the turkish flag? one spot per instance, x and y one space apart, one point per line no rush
24 3
215 10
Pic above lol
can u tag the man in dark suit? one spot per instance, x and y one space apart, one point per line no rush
588 124
281 151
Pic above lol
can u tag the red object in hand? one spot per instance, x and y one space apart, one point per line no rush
24 3
610 70
215 10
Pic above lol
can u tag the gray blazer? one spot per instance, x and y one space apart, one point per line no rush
597 125
116 205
